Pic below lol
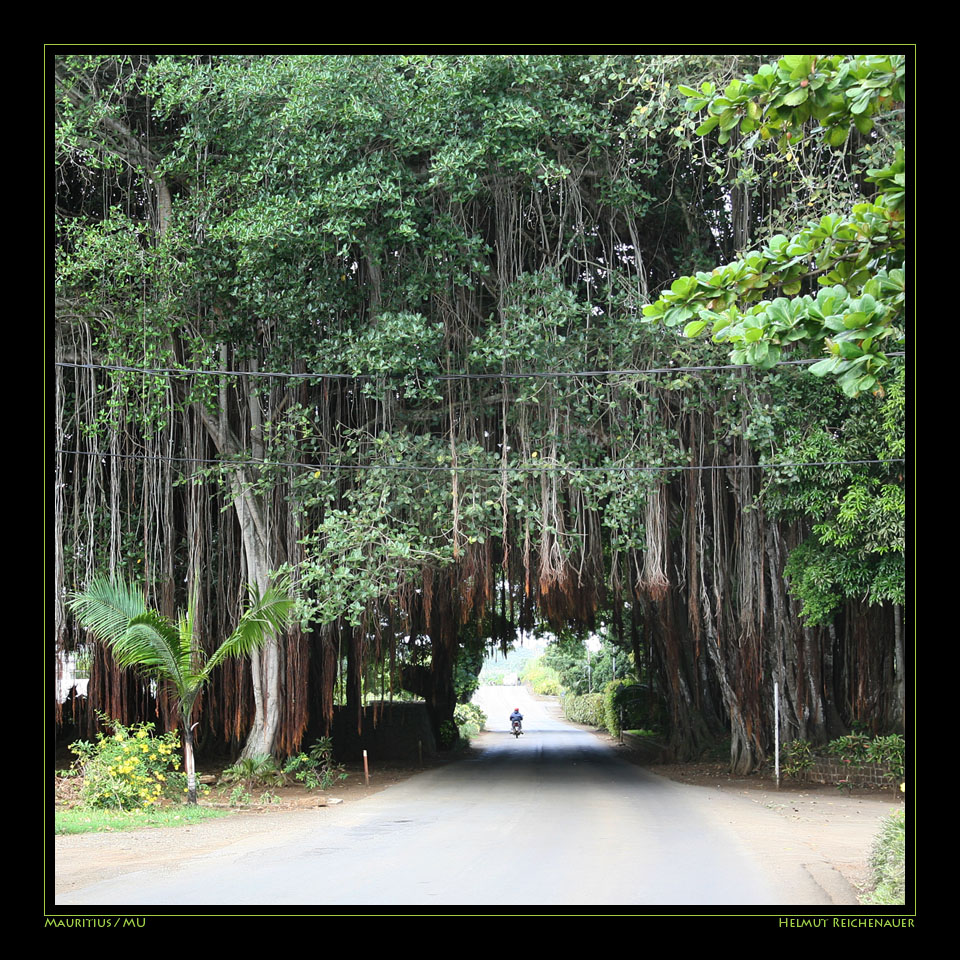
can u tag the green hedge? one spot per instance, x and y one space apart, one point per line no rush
626 700
587 708
635 704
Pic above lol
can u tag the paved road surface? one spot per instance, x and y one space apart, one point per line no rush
552 818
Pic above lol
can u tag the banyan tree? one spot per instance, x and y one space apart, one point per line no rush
378 320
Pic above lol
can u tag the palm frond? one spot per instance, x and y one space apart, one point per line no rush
106 607
152 643
117 615
266 615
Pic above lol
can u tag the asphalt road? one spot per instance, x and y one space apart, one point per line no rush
554 818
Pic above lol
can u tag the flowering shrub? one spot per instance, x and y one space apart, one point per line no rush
130 768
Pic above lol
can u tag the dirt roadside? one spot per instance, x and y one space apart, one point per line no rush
828 831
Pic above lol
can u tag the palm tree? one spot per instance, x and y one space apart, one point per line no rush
117 615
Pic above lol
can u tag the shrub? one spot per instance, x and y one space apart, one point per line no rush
859 748
130 768
887 862
316 768
261 770
798 757
889 751
624 700
448 735
587 708
853 748
470 719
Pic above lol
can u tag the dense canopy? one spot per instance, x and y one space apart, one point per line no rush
411 327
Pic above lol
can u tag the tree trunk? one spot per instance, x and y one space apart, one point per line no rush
258 551
265 663
189 767
900 681
442 624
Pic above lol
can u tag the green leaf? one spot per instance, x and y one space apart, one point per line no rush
823 367
707 126
838 136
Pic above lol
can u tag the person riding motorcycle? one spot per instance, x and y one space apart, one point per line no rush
515 717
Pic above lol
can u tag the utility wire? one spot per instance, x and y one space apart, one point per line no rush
541 467
541 374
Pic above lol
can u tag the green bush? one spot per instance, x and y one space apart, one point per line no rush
470 719
449 735
798 757
587 708
890 751
887 863
624 700
130 768
859 748
316 768
853 748
261 770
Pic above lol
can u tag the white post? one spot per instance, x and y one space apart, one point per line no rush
776 730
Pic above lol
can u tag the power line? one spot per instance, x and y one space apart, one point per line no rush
540 374
541 467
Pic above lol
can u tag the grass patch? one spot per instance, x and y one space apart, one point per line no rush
86 820
887 863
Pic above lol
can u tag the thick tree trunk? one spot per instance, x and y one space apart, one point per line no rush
265 663
442 623
259 556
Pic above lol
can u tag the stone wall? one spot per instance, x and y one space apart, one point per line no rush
855 774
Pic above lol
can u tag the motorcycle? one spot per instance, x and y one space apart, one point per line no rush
515 728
